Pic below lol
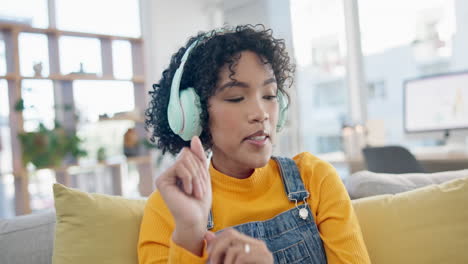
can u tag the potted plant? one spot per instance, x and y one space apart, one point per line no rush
49 147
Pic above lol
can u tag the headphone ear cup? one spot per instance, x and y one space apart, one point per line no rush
191 108
283 111
175 116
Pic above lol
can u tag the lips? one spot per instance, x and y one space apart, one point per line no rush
260 135
257 138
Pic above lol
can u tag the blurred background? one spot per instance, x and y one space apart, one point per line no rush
74 77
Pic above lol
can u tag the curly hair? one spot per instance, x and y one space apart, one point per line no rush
214 50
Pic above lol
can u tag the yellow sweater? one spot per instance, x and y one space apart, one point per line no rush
258 198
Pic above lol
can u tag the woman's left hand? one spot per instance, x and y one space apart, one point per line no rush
231 247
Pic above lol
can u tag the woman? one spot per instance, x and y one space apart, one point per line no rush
224 93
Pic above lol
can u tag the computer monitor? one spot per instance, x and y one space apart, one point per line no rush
436 103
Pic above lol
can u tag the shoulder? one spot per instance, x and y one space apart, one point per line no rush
308 161
314 170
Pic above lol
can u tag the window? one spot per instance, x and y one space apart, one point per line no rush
51 80
7 195
38 97
6 178
39 187
327 95
107 135
105 16
31 12
426 25
80 55
34 54
377 90
3 69
4 111
314 42
420 42
5 151
90 95
5 147
122 56
319 45
328 143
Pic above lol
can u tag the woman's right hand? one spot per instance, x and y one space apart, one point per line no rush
186 190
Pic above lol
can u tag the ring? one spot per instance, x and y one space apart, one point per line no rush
246 248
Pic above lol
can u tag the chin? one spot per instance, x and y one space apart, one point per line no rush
258 160
260 164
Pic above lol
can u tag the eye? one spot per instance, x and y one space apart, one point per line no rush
235 100
270 97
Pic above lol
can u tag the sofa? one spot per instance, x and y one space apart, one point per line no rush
413 218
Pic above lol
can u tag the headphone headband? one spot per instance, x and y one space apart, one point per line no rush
175 85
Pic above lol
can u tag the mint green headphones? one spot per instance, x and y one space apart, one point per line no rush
184 109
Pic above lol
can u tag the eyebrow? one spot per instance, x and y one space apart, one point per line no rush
243 84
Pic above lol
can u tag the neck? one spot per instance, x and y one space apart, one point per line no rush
231 169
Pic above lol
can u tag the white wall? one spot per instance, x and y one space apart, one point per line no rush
167 25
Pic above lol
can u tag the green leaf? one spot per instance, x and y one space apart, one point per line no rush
19 106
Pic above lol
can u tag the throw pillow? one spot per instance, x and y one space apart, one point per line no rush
95 228
426 225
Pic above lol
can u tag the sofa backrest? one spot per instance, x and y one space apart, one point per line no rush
27 239
424 226
365 183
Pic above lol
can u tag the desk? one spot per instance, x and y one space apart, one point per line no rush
433 159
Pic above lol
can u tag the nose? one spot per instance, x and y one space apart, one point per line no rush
257 111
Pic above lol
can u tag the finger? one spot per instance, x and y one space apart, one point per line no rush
197 148
197 187
243 258
206 175
202 185
262 253
183 153
205 178
221 243
201 174
209 236
217 256
184 174
197 170
216 240
233 253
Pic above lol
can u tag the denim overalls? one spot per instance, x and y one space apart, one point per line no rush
288 236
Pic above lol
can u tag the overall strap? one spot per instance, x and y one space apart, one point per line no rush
292 179
210 224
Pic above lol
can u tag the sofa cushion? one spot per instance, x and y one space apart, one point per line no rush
366 183
426 225
95 228
27 239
